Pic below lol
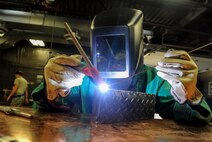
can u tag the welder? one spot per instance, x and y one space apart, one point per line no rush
117 53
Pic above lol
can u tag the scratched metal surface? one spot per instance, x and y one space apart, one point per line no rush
58 127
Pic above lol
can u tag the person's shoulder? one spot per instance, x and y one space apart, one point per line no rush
145 70
17 79
22 79
148 68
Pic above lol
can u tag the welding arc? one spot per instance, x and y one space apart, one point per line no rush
77 44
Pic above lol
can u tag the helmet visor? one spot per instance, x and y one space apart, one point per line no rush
111 53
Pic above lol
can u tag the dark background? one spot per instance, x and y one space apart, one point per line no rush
29 59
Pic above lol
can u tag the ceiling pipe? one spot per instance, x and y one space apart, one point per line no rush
34 24
32 18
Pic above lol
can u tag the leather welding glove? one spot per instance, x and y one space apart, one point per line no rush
61 74
180 71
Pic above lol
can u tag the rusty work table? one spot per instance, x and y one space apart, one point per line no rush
64 127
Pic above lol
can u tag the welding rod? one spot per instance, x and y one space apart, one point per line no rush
77 44
95 73
200 47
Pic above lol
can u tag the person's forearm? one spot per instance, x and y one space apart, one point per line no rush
12 93
26 95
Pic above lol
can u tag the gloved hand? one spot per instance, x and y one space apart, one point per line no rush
180 71
61 74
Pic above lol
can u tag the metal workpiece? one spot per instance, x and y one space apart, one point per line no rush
123 106
7 139
13 111
55 127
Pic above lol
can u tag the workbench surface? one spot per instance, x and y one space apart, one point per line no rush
61 127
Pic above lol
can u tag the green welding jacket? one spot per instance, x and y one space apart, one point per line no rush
146 80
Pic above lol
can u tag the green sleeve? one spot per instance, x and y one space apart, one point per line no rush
88 92
79 95
38 96
61 104
168 108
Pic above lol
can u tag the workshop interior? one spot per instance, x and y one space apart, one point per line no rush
182 25
33 31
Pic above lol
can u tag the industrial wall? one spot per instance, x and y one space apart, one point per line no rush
29 59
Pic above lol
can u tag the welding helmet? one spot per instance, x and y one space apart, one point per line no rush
116 45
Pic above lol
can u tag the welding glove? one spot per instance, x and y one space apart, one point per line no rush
61 74
180 71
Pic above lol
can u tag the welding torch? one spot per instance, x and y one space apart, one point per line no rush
90 70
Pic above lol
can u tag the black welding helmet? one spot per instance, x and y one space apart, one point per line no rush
116 45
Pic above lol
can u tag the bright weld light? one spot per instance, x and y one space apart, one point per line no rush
103 87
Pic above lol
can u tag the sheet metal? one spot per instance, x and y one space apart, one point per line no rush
123 106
